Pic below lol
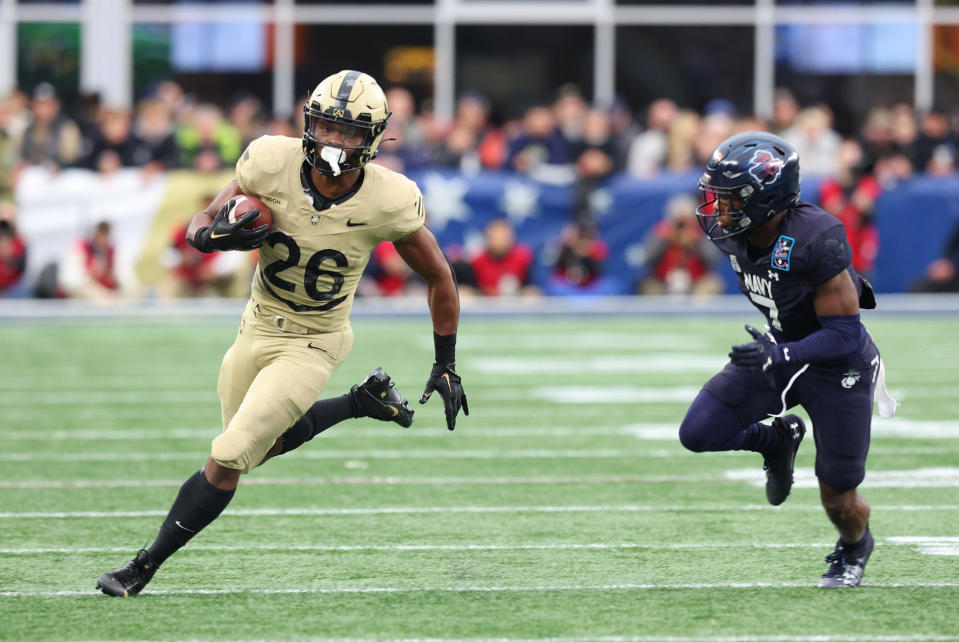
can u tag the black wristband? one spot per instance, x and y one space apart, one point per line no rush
445 346
200 240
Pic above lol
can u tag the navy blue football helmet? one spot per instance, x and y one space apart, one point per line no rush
759 175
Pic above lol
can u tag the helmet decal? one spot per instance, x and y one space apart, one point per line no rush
765 167
342 97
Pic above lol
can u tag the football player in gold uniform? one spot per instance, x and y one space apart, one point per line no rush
330 210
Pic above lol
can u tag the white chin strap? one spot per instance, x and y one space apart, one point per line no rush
334 156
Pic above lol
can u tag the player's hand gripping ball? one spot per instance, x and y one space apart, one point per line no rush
242 223
243 204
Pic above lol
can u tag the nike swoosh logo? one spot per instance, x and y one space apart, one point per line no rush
350 223
310 345
395 411
218 236
447 377
177 522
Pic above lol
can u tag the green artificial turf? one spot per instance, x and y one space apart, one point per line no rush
563 507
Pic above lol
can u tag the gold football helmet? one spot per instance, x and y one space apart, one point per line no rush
346 111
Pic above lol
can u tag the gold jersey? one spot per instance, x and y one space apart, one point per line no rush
310 264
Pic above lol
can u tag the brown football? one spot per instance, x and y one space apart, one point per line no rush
243 204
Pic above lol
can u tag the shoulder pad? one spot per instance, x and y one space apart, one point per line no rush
394 191
829 254
269 154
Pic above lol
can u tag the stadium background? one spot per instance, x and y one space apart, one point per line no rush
864 62
564 507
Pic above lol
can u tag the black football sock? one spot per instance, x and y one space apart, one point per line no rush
324 414
761 438
198 503
852 549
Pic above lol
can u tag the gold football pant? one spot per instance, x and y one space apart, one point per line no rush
268 379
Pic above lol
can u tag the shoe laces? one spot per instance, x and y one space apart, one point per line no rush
837 559
134 569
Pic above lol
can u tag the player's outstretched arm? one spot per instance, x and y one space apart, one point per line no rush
210 231
423 254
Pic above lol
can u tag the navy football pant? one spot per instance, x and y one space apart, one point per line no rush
838 399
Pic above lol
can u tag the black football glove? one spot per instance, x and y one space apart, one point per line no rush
444 380
223 235
762 354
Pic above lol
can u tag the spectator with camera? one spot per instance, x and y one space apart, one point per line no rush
579 268
677 257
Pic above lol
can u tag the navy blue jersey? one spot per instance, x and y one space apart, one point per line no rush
779 280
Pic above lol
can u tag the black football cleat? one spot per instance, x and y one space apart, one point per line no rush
779 465
128 580
846 564
378 397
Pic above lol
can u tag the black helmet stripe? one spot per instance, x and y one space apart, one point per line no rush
346 88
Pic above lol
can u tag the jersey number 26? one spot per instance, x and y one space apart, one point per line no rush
311 275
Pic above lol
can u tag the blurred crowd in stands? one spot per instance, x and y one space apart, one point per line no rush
564 142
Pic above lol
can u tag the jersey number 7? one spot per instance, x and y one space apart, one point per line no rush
770 305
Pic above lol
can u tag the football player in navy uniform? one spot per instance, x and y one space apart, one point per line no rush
330 210
793 263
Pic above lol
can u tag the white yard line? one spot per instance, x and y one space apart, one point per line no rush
927 477
924 545
432 547
656 363
423 510
662 431
366 454
380 481
437 454
479 589
894 428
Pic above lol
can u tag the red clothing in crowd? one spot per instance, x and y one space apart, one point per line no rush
681 258
580 261
676 256
99 264
389 281
861 232
505 274
11 266
194 266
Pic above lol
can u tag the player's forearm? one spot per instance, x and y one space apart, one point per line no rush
444 304
839 337
200 220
